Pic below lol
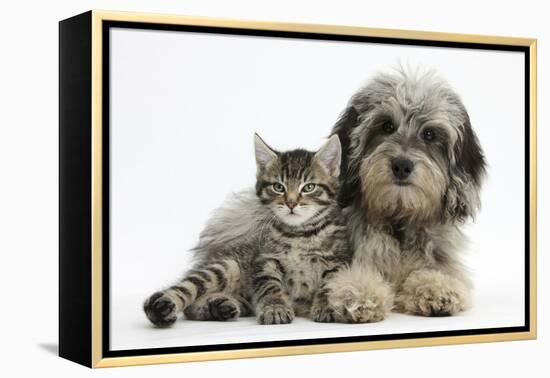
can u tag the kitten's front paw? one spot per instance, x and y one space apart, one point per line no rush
223 308
160 309
322 314
275 314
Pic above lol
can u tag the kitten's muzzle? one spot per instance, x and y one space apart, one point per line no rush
291 204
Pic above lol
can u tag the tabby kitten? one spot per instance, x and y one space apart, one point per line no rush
306 242
274 259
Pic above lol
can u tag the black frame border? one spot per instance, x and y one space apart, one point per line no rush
107 25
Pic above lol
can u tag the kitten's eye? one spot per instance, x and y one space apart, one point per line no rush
308 188
428 135
388 128
279 188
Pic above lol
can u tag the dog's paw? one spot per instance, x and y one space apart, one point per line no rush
363 309
431 301
161 310
322 314
275 314
359 295
430 293
222 307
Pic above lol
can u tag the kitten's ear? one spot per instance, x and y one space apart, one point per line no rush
264 154
330 156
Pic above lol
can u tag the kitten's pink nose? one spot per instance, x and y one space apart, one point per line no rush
291 204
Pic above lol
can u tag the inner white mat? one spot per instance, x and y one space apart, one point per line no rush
184 107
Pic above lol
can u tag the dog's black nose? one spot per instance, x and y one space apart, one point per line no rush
402 168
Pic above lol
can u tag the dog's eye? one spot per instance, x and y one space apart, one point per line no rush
428 135
279 188
388 127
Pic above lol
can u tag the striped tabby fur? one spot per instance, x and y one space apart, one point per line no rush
306 242
270 253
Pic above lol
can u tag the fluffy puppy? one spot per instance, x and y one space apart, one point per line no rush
412 171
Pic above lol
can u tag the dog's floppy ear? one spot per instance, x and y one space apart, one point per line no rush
470 154
466 173
343 128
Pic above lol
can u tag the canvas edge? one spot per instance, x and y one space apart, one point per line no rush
75 277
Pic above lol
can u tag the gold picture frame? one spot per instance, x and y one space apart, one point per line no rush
82 198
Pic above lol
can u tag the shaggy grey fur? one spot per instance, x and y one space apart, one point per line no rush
412 175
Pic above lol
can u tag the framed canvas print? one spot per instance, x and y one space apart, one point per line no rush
235 189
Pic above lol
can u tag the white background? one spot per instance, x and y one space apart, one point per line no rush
184 107
28 195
